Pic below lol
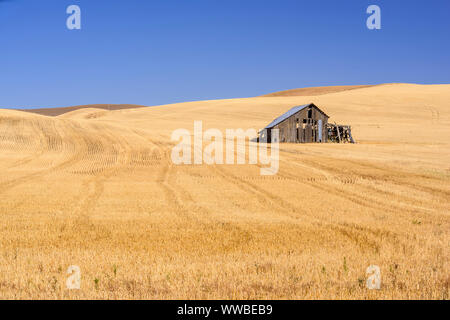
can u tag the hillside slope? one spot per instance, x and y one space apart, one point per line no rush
98 189
314 91
53 112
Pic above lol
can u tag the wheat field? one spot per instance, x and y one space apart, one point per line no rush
97 189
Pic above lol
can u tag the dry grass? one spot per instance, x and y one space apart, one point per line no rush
97 189
53 112
313 91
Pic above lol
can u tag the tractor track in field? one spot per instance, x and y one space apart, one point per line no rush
5 186
265 198
93 188
366 239
70 158
176 196
435 115
389 177
409 203
26 146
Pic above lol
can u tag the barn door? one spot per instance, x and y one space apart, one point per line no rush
319 125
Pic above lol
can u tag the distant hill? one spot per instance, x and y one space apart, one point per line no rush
314 91
53 112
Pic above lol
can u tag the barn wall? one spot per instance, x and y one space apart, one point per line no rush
308 132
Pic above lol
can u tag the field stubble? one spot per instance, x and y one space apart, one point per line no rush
101 193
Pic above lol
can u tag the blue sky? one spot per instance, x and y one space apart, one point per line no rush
157 52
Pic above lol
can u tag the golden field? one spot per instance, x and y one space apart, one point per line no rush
97 189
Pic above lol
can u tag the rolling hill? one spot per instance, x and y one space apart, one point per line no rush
96 187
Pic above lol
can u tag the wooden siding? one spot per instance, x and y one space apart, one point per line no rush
299 128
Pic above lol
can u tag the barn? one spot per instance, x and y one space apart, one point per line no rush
301 124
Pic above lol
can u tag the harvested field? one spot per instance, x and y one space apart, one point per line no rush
313 91
97 188
53 112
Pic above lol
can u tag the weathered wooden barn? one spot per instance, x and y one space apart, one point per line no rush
301 124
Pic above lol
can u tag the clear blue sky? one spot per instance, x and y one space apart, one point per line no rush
156 52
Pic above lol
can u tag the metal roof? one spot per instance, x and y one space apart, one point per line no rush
291 112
